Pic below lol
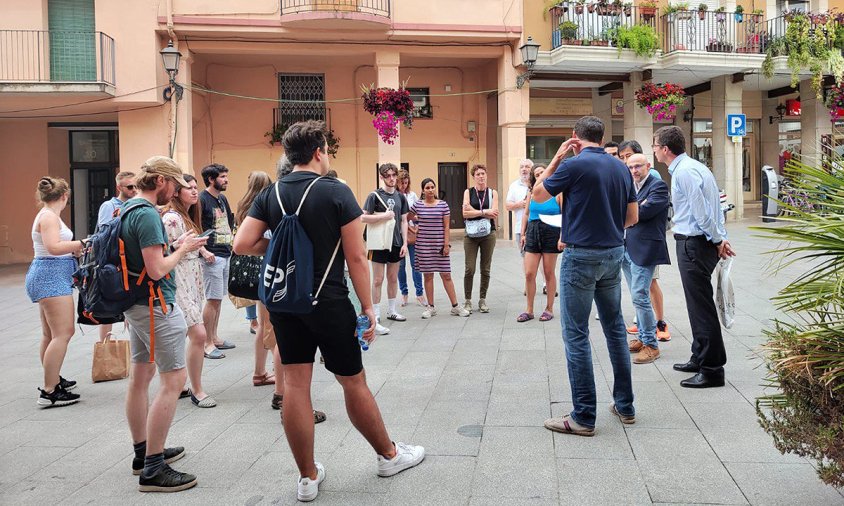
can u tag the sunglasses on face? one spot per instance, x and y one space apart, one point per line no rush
129 187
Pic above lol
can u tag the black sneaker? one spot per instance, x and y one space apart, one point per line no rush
166 480
660 325
67 384
59 397
170 455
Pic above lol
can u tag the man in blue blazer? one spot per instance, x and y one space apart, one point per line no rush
645 248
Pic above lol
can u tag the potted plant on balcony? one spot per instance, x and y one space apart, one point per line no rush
701 11
683 11
720 14
598 41
661 100
591 7
555 8
389 107
616 7
719 46
568 32
647 10
603 7
333 143
642 39
578 6
276 134
756 15
739 14
628 9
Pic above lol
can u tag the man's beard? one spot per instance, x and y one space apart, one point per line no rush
219 186
163 197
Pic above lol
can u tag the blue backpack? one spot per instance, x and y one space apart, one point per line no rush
103 280
288 270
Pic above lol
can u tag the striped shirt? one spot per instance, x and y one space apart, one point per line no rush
430 238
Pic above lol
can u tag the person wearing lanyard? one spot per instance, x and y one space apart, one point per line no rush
701 242
479 203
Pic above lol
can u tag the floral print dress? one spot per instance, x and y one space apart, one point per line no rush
190 291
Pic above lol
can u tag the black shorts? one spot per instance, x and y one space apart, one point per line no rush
330 327
541 237
386 256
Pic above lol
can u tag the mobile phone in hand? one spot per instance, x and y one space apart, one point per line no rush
207 233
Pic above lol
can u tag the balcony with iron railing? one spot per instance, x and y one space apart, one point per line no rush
337 13
582 24
29 58
713 32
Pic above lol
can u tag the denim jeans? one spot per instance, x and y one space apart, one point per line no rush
417 276
588 274
639 281
251 312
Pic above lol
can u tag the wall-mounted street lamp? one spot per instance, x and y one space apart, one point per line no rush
530 51
171 56
780 113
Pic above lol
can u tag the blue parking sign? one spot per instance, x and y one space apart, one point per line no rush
736 125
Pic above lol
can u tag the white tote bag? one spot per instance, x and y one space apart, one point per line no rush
724 297
379 236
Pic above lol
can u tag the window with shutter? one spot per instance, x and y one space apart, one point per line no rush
73 54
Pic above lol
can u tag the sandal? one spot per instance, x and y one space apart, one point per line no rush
215 354
264 379
319 416
207 402
185 393
524 317
546 316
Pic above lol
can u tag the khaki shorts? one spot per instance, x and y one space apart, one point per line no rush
216 278
170 332
656 273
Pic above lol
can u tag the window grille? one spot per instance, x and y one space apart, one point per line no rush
301 97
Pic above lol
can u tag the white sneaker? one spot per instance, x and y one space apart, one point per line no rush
308 488
406 457
429 312
459 311
596 316
468 306
396 317
381 330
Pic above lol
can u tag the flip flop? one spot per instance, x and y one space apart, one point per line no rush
524 317
546 316
215 354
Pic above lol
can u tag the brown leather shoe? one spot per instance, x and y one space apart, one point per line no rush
646 355
635 345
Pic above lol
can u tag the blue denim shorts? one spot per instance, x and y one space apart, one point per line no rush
50 277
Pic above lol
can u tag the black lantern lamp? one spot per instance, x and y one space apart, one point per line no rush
171 56
780 113
530 51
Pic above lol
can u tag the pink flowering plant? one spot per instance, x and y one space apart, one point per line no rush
389 107
661 100
835 102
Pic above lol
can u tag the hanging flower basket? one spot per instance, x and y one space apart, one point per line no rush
389 107
661 100
835 102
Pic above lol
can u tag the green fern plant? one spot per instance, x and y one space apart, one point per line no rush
642 39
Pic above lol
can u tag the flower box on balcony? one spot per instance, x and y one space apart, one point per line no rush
647 13
599 43
719 47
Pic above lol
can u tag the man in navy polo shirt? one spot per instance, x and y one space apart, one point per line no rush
599 201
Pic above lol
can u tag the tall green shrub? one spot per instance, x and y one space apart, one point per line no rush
642 39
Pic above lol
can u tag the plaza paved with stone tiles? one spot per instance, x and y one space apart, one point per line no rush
474 391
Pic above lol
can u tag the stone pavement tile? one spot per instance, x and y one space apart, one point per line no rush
512 501
679 466
599 482
470 382
667 414
21 432
727 393
23 462
786 484
38 491
421 366
437 480
516 462
527 338
271 479
84 464
524 404
437 429
609 442
353 468
475 351
521 367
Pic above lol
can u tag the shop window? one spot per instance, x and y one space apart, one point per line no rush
301 98
541 149
421 102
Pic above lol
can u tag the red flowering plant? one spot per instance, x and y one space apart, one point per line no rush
389 107
661 100
835 102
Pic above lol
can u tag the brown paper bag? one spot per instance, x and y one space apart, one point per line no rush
111 360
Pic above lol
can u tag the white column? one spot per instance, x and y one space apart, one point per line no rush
602 108
387 70
513 115
726 155
638 123
769 134
814 123
183 152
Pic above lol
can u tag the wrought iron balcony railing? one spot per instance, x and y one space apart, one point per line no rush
42 56
713 32
580 24
373 7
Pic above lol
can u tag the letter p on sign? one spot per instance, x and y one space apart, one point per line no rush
736 125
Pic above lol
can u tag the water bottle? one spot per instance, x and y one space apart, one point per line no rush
362 326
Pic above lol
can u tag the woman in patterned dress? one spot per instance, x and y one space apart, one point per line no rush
180 216
433 247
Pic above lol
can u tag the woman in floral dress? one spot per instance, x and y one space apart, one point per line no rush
180 216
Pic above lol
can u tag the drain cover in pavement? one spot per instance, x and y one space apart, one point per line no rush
471 430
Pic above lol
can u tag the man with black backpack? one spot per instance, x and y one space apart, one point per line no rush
322 214
157 327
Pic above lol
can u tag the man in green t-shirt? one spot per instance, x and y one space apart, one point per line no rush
148 252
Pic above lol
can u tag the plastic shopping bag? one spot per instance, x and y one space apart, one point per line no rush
724 297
